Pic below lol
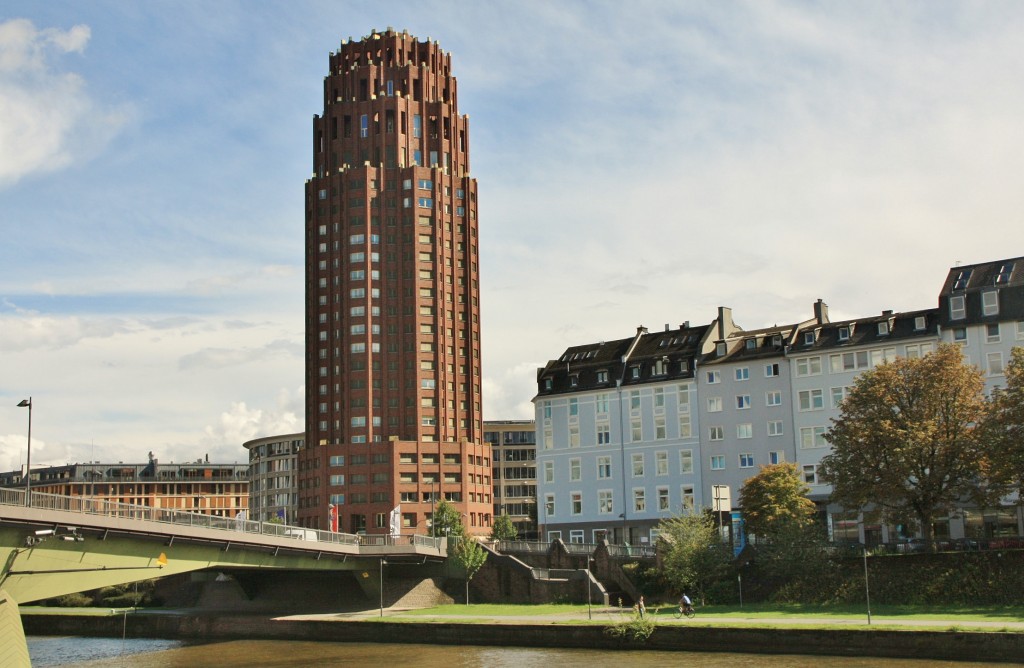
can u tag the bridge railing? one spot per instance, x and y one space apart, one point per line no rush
92 506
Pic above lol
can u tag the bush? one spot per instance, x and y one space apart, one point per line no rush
635 631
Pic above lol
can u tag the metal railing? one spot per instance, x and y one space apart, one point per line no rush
633 551
101 507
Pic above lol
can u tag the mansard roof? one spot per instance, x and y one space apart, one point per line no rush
745 345
1003 277
867 331
649 357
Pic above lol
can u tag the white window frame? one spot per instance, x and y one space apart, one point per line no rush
957 307
717 462
994 364
639 500
775 428
810 400
637 458
661 463
990 302
744 430
685 462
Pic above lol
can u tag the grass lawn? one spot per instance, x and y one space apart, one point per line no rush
752 611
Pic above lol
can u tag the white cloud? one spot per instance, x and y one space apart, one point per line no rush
50 120
240 423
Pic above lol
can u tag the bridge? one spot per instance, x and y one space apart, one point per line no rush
53 545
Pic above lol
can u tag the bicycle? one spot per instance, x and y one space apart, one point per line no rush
685 610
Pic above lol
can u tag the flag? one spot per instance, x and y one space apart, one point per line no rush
396 520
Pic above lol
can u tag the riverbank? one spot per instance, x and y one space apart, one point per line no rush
954 644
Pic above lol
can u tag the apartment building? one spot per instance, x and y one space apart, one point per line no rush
617 431
273 489
197 487
610 444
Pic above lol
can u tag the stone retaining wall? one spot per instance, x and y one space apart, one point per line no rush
947 645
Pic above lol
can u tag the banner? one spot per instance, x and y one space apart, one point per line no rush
396 520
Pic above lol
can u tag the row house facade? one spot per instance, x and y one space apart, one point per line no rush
632 431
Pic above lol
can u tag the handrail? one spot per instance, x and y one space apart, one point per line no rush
93 506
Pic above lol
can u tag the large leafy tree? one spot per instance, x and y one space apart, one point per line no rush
1005 427
773 499
695 557
908 440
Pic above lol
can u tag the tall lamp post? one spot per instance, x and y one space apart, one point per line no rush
27 403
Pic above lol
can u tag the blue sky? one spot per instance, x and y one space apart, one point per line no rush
639 163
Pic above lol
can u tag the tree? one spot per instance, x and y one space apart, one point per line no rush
695 557
470 555
774 498
503 528
446 520
1005 428
907 439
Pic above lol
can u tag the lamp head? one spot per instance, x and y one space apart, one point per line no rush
25 402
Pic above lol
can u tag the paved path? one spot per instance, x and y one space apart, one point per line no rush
617 615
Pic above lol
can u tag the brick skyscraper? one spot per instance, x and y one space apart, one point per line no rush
393 405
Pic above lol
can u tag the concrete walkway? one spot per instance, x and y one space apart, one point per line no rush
615 615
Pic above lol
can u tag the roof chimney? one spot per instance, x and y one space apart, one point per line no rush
821 312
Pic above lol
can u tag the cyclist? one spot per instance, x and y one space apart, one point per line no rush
685 603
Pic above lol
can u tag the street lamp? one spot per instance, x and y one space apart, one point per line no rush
27 403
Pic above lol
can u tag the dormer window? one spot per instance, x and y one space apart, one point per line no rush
602 376
574 380
777 340
957 307
990 303
883 328
720 349
547 383
750 344
919 323
809 338
634 372
660 367
844 333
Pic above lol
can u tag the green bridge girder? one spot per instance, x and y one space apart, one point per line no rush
55 567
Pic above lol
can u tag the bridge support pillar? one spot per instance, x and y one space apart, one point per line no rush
13 647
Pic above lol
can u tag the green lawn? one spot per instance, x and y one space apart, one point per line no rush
753 611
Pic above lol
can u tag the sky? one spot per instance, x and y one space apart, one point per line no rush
639 163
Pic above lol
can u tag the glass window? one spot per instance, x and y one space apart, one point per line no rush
990 302
957 308
685 461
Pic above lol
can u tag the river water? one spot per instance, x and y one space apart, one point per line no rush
136 653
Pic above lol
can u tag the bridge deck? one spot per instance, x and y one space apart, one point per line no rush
69 516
